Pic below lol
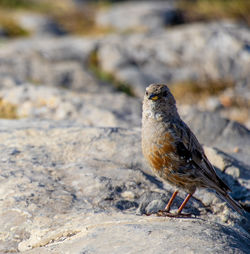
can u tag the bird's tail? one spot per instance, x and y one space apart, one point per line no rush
233 204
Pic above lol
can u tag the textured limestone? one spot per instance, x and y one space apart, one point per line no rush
72 176
95 109
67 186
215 51
59 62
140 15
214 131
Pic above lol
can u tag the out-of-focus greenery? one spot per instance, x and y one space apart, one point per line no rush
216 9
10 26
75 19
36 5
191 91
7 110
107 77
16 3
79 19
8 23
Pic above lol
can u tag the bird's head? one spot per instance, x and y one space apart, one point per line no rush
158 100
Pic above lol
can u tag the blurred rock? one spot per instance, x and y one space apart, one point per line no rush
239 172
236 102
54 62
214 131
39 25
2 32
138 15
94 109
62 189
213 104
215 51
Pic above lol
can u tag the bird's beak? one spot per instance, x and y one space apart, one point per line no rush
153 97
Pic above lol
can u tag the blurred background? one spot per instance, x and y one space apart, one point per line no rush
90 61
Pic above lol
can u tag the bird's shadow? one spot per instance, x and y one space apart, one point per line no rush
153 180
190 207
239 192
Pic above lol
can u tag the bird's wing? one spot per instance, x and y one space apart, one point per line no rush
189 148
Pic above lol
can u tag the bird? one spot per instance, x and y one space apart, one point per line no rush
174 153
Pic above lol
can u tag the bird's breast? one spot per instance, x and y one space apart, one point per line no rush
158 148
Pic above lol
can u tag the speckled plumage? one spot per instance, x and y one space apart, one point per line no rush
172 150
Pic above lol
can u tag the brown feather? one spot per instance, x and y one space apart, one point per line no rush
172 150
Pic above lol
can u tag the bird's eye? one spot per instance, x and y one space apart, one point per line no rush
147 93
165 93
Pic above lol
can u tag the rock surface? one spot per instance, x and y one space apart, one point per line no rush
72 176
138 16
215 51
73 187
92 109
224 134
51 61
39 25
150 235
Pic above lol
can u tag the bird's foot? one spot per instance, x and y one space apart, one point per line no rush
165 213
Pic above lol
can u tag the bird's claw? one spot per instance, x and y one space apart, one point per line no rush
164 213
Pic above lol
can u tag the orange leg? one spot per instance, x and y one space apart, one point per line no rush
184 203
167 208
166 212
